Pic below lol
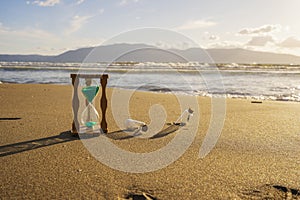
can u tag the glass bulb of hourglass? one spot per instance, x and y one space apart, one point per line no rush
90 116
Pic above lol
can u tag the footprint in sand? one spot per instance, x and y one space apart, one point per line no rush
272 192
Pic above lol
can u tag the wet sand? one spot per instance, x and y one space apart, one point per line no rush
256 156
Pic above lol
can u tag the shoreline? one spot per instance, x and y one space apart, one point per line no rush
255 157
255 99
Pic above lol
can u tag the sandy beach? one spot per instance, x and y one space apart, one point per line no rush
256 157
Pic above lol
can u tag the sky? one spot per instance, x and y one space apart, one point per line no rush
51 27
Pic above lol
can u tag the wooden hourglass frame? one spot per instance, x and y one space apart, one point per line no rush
75 101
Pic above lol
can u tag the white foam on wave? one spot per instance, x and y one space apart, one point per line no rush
262 82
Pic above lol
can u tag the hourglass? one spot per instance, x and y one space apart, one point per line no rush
90 116
86 118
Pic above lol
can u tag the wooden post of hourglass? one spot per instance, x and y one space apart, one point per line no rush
103 102
75 101
75 104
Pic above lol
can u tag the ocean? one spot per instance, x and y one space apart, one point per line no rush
263 82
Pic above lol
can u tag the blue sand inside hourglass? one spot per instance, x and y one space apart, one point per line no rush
90 124
90 92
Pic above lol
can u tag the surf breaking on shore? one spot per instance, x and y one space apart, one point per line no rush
250 81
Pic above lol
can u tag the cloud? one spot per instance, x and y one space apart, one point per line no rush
207 36
38 41
174 45
290 42
23 40
46 3
213 37
126 2
79 2
25 33
260 41
101 11
196 24
76 23
260 30
226 44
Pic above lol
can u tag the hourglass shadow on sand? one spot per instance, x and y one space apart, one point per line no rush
10 118
67 136
15 148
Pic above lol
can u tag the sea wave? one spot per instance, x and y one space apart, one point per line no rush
265 82
148 66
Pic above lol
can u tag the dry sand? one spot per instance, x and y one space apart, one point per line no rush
256 157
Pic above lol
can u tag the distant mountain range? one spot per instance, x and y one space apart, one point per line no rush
147 53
